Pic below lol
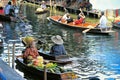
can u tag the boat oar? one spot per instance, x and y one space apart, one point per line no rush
86 30
89 28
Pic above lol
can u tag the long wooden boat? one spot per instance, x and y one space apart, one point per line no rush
4 18
41 12
40 73
82 27
115 25
61 59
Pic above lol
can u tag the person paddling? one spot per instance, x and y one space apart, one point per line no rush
80 18
103 22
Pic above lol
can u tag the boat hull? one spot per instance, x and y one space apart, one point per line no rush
41 12
40 73
82 27
4 18
115 25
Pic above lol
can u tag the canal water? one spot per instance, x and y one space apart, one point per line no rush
93 55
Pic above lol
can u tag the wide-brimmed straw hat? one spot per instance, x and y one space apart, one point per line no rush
57 39
28 40
43 1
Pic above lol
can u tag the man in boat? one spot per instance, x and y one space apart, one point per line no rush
103 22
66 17
7 9
58 47
43 5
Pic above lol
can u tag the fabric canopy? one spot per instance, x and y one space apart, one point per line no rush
105 4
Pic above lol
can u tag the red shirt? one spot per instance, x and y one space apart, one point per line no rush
31 52
1 11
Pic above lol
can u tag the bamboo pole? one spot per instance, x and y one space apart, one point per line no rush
13 55
8 54
50 7
45 73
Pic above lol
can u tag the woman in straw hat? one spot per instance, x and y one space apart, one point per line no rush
43 5
58 47
31 51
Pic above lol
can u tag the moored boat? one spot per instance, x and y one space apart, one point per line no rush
4 18
89 27
41 11
50 76
115 25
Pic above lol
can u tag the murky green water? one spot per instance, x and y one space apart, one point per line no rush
93 55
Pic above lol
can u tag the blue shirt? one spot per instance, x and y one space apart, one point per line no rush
58 50
7 9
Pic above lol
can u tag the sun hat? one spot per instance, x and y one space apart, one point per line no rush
57 39
43 1
28 40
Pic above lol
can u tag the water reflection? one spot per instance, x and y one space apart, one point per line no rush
9 31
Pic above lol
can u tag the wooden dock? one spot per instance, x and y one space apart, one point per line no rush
9 73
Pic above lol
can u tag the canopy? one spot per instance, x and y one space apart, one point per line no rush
105 4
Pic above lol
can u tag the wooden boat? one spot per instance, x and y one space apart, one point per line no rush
115 25
61 59
85 26
41 11
40 73
4 18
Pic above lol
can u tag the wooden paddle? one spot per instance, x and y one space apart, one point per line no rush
89 28
81 11
62 16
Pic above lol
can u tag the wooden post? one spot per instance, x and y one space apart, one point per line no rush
117 12
13 55
45 73
8 54
50 8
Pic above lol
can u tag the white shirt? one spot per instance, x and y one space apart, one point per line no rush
103 22
64 17
43 6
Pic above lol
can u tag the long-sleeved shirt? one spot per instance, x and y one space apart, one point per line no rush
7 9
103 22
58 50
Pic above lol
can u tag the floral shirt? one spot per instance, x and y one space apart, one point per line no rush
31 52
